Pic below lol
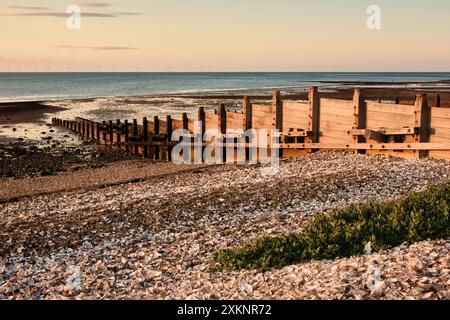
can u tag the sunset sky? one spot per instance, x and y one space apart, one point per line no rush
225 35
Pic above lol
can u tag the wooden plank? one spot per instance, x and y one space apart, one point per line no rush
390 108
440 122
440 154
262 108
440 132
292 105
211 121
339 103
297 115
191 123
374 118
370 146
177 124
388 132
440 113
344 111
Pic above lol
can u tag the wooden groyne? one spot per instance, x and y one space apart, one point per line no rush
358 125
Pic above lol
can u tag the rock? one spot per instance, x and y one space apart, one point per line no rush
378 290
429 296
151 275
246 288
368 248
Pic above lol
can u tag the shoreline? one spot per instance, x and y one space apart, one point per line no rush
29 119
335 86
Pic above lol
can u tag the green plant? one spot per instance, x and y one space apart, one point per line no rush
345 232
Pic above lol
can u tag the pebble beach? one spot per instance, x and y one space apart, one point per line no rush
145 230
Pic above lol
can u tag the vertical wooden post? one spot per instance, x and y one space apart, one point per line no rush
202 119
127 136
97 127
135 134
422 120
397 100
111 133
278 120
83 129
169 137
186 128
104 133
92 131
360 115
156 132
314 110
88 130
118 135
248 112
438 101
145 136
222 114
185 121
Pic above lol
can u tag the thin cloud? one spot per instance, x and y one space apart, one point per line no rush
62 15
19 7
126 13
96 4
65 15
37 11
100 48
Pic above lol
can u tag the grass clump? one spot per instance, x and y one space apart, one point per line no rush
345 232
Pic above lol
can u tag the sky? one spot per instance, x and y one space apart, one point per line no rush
224 35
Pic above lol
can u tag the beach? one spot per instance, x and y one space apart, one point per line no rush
137 230
83 221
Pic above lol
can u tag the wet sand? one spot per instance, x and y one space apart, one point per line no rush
24 112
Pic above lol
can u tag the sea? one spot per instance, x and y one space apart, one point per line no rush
44 86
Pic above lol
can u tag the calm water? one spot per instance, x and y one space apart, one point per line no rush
37 86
